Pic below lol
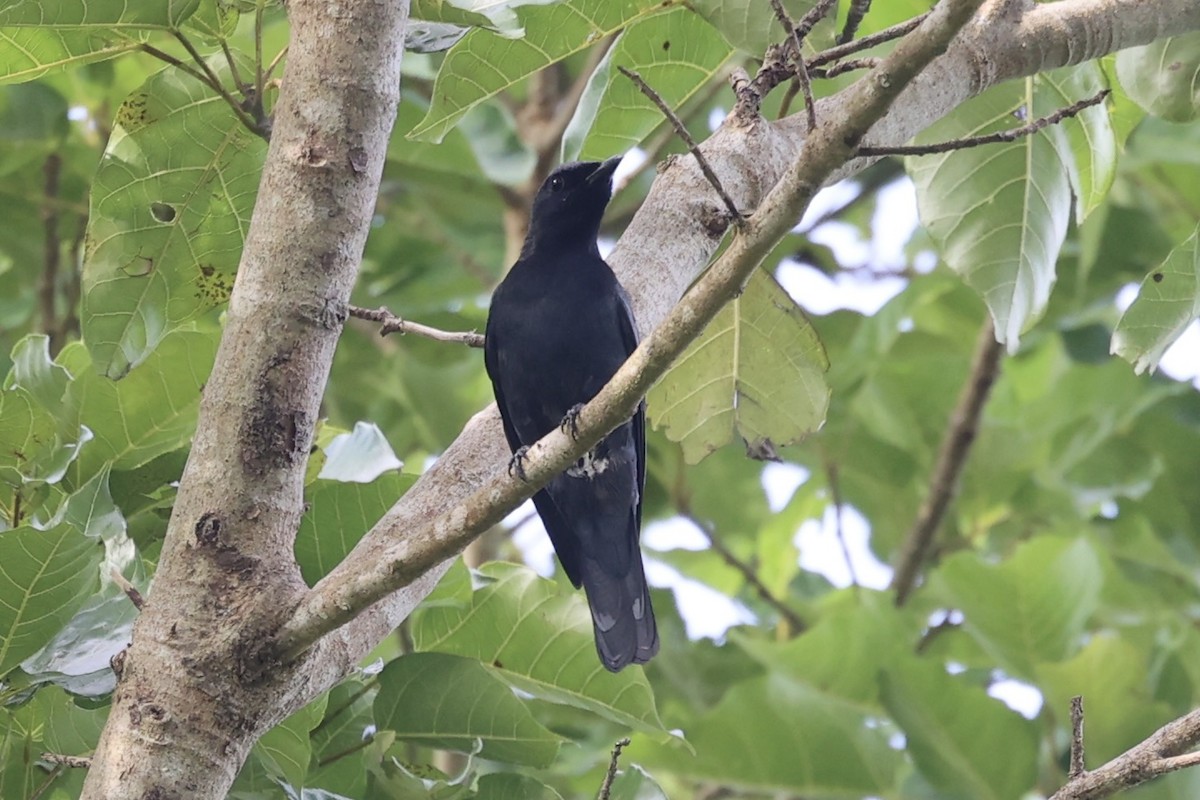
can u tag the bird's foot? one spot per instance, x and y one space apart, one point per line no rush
570 423
517 463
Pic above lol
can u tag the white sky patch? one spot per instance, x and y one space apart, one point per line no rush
780 481
706 612
1019 696
820 551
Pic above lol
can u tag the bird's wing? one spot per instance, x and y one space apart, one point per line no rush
491 360
629 337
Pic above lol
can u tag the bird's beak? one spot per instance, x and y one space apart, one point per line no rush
605 171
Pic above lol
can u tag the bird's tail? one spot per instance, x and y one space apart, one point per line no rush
621 614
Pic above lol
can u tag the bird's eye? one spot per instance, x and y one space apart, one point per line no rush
556 183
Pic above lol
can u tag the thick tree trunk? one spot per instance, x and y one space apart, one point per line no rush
191 697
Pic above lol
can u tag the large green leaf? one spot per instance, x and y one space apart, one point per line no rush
1029 609
286 749
537 635
484 63
751 26
997 213
1112 675
45 577
773 734
1167 302
510 786
339 515
1163 77
97 13
167 221
1087 141
29 53
677 53
153 411
449 702
955 733
757 371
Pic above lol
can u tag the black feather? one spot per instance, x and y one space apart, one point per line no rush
559 327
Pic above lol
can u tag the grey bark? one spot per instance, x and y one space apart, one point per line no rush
191 696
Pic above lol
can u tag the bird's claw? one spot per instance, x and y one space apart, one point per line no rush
517 463
570 423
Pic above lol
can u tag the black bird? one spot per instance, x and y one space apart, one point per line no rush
559 327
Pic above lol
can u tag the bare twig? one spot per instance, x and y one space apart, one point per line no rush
209 79
1164 751
867 42
52 255
933 632
128 588
835 494
858 10
610 776
964 422
51 777
843 67
794 621
390 323
802 79
75 762
1010 135
1078 765
693 148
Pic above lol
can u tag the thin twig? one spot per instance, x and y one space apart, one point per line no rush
858 10
214 81
1010 135
128 588
693 148
843 67
390 323
75 762
233 69
52 255
610 776
802 79
51 777
1078 765
1166 750
835 494
952 456
933 632
867 42
211 82
812 17
260 77
794 621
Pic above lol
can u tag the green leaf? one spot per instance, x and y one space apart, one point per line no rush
449 702
748 25
29 53
634 784
153 411
956 733
842 654
31 448
510 786
167 221
348 722
45 577
97 13
339 515
360 456
537 635
285 750
773 734
484 63
1029 609
1163 77
1087 142
497 14
35 372
1168 301
1112 677
757 370
997 213
676 53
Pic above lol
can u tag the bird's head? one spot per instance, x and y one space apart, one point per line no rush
568 207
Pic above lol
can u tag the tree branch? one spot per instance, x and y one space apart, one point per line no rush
952 456
1164 751
390 323
382 563
611 774
794 621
